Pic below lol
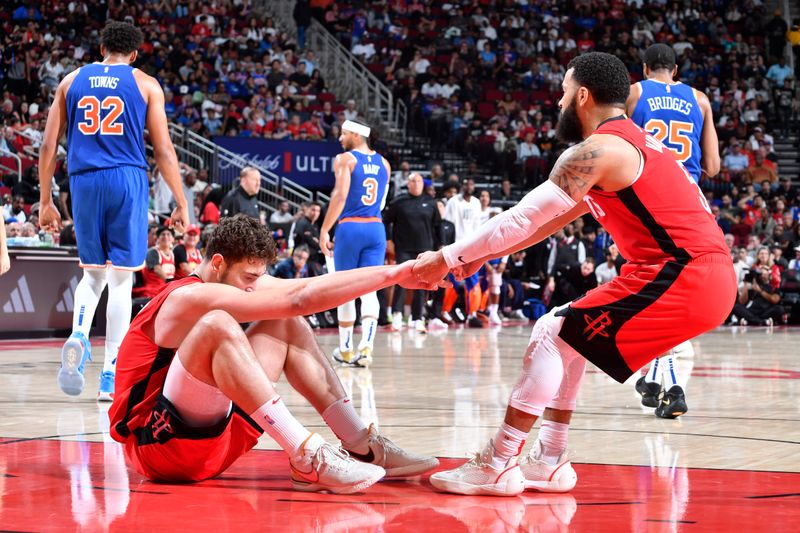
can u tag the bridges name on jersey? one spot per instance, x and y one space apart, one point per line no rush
671 114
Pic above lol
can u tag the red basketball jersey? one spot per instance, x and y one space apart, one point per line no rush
662 215
141 368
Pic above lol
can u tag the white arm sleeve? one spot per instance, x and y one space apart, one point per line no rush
543 204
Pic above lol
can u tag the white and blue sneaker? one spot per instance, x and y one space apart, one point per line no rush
106 391
74 354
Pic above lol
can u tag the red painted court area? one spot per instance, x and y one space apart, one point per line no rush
48 485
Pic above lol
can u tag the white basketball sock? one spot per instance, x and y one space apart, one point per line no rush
346 339
87 295
652 375
508 443
276 420
369 326
342 418
553 436
668 371
118 314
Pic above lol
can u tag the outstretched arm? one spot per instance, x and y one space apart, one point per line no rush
273 298
539 213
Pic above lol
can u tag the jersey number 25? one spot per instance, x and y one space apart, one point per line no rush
92 124
674 135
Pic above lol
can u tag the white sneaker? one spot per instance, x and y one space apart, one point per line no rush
542 476
446 316
397 321
419 326
495 320
364 356
517 313
437 324
477 476
396 461
321 467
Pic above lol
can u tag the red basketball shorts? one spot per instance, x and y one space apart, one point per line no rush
167 449
647 310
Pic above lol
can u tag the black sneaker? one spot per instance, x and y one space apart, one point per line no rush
673 403
649 391
475 322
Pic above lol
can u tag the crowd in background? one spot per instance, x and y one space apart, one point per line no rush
482 79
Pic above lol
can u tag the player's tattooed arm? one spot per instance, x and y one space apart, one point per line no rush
579 168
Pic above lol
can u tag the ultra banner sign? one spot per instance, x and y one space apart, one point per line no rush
308 163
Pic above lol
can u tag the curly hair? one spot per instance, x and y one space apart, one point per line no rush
241 237
604 75
121 37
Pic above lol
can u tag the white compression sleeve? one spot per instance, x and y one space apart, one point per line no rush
538 207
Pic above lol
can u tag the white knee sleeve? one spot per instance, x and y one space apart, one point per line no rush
370 306
574 369
543 368
495 282
346 312
118 310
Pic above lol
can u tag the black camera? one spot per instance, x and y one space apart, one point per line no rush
751 275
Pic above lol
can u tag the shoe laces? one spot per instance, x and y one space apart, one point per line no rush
337 457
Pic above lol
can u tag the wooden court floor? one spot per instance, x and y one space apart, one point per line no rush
731 463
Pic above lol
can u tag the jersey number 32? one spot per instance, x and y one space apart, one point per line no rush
93 124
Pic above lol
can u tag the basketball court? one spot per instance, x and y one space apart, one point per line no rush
731 463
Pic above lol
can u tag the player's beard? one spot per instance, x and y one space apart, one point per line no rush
569 128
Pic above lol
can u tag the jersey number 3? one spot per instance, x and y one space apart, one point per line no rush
674 135
371 191
92 124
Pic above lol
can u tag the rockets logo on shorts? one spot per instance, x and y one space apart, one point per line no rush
596 326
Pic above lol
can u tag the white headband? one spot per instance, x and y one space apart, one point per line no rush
355 127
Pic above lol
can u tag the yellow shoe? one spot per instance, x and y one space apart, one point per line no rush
364 357
348 358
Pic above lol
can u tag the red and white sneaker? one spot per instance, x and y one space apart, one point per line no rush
322 468
542 476
478 477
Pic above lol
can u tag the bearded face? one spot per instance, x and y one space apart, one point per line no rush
569 128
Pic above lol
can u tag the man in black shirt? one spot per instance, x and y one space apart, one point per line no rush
242 199
412 226
306 232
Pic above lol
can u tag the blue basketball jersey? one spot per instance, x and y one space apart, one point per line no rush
670 112
368 185
106 117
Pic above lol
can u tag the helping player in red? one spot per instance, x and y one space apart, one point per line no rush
679 281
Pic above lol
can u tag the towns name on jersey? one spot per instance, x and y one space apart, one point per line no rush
669 103
103 82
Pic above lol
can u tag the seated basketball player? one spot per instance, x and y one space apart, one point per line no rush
677 256
195 391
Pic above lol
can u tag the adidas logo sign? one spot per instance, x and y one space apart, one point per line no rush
21 301
67 302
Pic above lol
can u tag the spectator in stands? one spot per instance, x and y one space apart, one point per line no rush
735 161
159 265
294 267
758 172
302 19
607 271
758 302
306 232
15 210
187 255
242 199
282 216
